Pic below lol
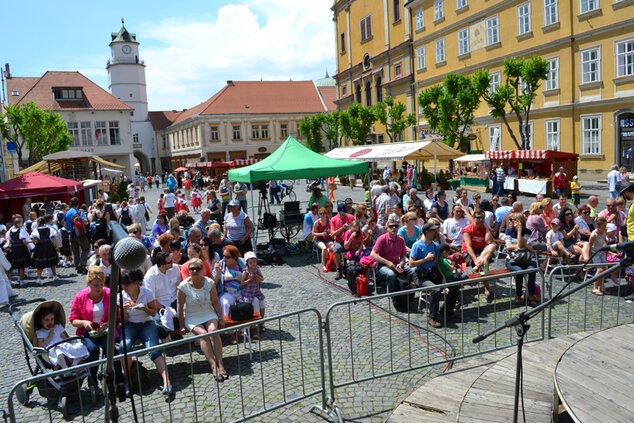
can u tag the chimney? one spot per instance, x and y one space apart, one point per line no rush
230 83
7 71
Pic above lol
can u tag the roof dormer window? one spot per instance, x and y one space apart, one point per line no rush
16 93
68 93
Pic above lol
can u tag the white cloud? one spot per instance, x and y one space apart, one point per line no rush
187 61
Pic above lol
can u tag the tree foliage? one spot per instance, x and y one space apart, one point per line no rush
523 78
356 123
392 114
41 132
449 108
331 125
310 127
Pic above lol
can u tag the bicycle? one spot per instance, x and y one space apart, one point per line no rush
287 191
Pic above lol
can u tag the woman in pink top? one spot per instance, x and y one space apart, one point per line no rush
89 314
548 213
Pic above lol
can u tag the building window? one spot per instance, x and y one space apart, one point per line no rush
420 58
358 93
552 81
164 142
439 10
379 90
265 131
115 139
397 10
368 93
440 50
398 72
625 58
68 93
86 133
493 35
530 135
213 133
236 133
495 137
101 133
344 90
591 134
463 41
342 42
73 130
366 28
461 4
420 19
552 135
524 18
590 70
284 130
255 132
494 82
135 138
550 12
588 5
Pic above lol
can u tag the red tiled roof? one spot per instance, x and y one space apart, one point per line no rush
163 119
256 97
329 96
41 92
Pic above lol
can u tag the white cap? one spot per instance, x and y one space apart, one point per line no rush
611 227
575 177
250 254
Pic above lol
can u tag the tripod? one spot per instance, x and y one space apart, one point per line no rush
520 322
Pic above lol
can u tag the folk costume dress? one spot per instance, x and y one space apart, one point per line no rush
196 200
45 252
20 255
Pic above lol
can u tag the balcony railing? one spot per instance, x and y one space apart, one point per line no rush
116 60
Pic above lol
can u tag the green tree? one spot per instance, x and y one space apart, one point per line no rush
523 78
331 125
449 108
391 114
41 132
310 127
356 123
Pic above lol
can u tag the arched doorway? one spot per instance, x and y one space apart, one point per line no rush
141 162
624 137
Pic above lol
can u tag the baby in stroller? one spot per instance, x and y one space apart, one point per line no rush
50 332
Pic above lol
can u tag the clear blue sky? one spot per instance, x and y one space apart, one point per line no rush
190 48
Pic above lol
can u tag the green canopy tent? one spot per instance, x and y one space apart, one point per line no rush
293 160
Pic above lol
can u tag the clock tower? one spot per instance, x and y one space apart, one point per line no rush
126 81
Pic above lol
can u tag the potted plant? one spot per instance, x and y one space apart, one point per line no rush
442 180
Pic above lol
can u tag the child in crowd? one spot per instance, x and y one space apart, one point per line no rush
196 200
555 240
596 242
451 270
49 332
353 241
251 289
575 187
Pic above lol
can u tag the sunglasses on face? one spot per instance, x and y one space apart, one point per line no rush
568 214
610 205
195 269
168 263
585 212
227 257
392 226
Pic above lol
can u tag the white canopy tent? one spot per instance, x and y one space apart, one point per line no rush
471 158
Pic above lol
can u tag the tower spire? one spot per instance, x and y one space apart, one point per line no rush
122 22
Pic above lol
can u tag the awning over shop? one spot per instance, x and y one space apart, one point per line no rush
471 158
529 155
106 163
233 163
40 167
417 150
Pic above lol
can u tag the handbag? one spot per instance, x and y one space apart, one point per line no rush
241 311
520 257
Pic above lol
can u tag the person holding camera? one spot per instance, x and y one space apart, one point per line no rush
338 227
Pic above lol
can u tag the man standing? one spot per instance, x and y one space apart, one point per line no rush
26 209
383 208
163 279
613 181
338 227
390 253
240 192
478 246
500 178
500 214
560 182
79 244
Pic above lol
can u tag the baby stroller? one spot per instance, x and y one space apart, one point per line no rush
56 389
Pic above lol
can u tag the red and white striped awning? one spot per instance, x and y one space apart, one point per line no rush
528 155
244 162
233 163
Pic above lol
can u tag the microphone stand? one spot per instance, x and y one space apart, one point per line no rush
520 321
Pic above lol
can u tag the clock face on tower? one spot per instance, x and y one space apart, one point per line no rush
126 49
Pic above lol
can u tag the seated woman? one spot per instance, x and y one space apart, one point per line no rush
548 214
353 241
571 232
139 306
361 214
198 310
409 231
516 237
184 220
413 208
227 277
160 227
89 314
195 251
321 235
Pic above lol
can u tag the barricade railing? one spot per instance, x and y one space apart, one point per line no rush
584 309
388 342
286 367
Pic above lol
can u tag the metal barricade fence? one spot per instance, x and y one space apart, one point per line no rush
286 367
583 309
367 339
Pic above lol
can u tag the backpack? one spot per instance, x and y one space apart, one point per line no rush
78 225
353 269
269 221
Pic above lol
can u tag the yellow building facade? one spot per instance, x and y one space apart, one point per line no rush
587 104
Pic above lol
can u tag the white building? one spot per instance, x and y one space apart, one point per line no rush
126 81
98 122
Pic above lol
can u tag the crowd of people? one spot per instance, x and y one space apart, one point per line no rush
421 241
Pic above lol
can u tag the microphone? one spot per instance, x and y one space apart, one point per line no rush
128 253
626 247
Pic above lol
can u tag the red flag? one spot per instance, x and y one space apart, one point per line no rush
96 133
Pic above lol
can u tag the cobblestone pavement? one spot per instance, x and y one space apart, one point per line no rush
366 340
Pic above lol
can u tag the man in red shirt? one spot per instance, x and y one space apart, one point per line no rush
478 246
338 227
560 182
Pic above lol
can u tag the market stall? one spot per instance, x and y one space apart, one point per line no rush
472 171
531 171
216 169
